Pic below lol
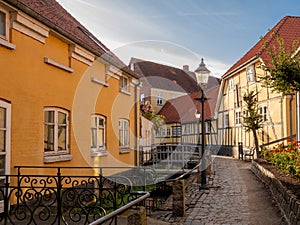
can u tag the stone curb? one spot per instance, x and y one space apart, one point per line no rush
287 202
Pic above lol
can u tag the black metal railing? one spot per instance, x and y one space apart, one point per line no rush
61 198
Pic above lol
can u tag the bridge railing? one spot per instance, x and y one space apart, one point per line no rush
60 198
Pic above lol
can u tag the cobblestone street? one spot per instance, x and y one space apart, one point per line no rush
235 196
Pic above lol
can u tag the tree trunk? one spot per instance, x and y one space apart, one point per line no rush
256 143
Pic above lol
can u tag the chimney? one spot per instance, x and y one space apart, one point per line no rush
185 67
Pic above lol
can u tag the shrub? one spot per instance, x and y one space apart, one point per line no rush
285 156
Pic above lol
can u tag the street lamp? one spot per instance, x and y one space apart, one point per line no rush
202 75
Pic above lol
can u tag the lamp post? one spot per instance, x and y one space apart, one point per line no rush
202 75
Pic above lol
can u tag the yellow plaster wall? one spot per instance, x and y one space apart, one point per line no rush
30 85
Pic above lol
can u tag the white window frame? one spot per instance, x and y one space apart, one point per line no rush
124 134
142 98
5 36
124 84
97 148
250 74
208 127
6 154
226 120
159 99
56 151
238 118
230 84
176 131
263 110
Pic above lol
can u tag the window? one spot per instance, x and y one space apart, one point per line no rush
238 118
2 24
250 73
230 84
226 121
124 84
187 128
142 99
168 132
176 131
264 113
56 131
124 133
98 129
208 127
159 99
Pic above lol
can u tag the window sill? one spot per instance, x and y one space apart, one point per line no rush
57 158
97 153
125 92
124 150
95 80
7 44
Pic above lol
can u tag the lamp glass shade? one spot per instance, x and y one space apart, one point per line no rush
197 114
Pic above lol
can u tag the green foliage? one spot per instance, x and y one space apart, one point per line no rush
284 69
157 120
285 157
252 119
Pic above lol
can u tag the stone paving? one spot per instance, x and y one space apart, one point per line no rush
234 197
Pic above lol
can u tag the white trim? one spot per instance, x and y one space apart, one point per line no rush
7 44
58 65
57 158
81 54
7 106
57 152
30 27
97 81
168 91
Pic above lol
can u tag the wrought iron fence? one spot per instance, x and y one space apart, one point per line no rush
60 198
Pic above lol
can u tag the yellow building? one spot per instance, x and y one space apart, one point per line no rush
65 99
278 112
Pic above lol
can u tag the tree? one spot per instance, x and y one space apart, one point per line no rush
147 111
284 68
252 119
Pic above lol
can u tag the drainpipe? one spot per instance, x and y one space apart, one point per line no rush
298 114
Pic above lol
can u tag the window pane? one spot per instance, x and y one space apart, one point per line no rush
2 23
49 116
94 138
2 165
93 121
100 138
2 117
62 118
2 140
49 138
101 122
62 138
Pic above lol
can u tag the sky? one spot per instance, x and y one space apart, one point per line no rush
181 32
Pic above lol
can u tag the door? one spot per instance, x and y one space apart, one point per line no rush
5 132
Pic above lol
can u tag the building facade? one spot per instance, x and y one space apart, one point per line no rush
278 112
65 99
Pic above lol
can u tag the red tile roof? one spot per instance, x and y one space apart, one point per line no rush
165 77
287 28
183 109
52 14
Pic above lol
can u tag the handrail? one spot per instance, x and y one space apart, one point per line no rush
278 140
121 209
